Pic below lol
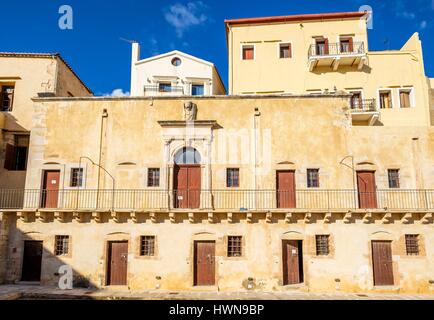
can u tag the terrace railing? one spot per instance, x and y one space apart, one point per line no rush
141 199
336 49
363 105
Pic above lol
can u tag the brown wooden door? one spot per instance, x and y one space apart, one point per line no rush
367 189
187 186
117 263
32 259
285 189
204 263
292 259
382 263
50 189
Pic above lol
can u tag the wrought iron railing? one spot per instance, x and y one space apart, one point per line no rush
145 199
333 49
156 89
363 105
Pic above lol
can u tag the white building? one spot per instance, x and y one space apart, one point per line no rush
173 73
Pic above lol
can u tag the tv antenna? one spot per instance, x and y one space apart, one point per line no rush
126 40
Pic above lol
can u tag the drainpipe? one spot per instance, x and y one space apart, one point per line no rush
103 116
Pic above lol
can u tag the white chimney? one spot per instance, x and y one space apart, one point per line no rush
135 56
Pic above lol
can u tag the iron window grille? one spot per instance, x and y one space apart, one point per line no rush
233 177
322 245
313 178
147 245
153 177
76 177
62 245
393 175
412 244
235 246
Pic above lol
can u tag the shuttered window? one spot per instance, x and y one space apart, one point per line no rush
322 244
235 246
153 177
147 245
412 244
248 52
393 175
62 245
232 177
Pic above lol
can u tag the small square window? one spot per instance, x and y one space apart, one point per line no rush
285 50
393 176
412 244
76 177
322 245
248 53
234 246
61 245
313 178
153 177
147 245
232 177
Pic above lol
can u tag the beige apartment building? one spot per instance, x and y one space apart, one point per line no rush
271 188
24 76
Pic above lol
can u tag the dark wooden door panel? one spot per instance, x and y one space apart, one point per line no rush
194 187
50 190
32 259
187 186
285 189
118 263
382 263
204 256
291 262
366 189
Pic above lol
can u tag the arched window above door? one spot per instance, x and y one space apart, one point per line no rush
187 155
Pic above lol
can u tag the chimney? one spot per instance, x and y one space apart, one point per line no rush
135 46
135 56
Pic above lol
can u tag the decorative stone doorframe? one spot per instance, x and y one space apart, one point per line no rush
197 134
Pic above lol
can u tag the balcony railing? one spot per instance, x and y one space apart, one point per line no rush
363 105
155 89
327 199
335 49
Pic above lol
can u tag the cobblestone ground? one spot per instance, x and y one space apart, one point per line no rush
13 292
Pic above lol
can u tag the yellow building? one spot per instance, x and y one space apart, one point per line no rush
259 190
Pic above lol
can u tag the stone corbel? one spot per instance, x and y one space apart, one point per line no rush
78 216
191 217
367 218
59 216
406 219
268 217
210 217
427 218
288 217
153 217
387 218
172 217
115 216
348 217
134 217
308 217
249 217
230 217
96 216
41 216
328 217
23 216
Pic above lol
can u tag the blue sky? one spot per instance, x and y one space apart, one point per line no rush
94 49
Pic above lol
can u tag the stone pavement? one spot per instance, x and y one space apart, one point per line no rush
13 292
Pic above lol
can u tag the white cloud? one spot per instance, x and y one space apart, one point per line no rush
406 15
423 25
153 46
182 17
117 93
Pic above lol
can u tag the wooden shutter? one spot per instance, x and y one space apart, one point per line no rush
351 45
405 99
10 157
248 53
289 50
326 46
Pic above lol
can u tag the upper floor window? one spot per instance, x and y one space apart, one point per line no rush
405 98
313 178
76 177
176 62
321 46
385 98
346 45
248 52
6 97
356 100
232 177
16 154
393 176
285 50
153 177
164 87
197 90
187 155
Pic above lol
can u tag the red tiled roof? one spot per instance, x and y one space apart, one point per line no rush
43 55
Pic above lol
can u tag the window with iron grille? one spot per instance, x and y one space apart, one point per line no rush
232 177
313 178
393 175
153 177
76 177
234 246
322 245
147 245
412 244
62 245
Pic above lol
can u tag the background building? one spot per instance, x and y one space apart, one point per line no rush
173 73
